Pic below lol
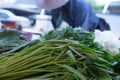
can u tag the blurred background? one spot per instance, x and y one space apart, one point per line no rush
24 15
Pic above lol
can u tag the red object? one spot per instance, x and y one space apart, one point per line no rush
10 24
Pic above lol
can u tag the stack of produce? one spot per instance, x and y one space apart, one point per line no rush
10 39
70 55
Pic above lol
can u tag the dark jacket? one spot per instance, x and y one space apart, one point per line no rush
78 13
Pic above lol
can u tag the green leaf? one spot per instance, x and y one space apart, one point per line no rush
72 58
74 71
117 57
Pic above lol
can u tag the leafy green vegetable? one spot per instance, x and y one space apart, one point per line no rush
67 54
10 39
78 34
44 59
72 70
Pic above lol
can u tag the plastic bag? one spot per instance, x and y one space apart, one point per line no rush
108 40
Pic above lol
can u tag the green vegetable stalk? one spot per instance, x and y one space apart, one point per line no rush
55 59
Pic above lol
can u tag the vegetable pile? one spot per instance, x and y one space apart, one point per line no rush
69 55
77 34
10 39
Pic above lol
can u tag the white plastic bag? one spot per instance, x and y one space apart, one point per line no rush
108 40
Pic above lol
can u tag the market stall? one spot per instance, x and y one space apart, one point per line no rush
62 54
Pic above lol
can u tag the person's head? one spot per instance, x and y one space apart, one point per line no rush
51 4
